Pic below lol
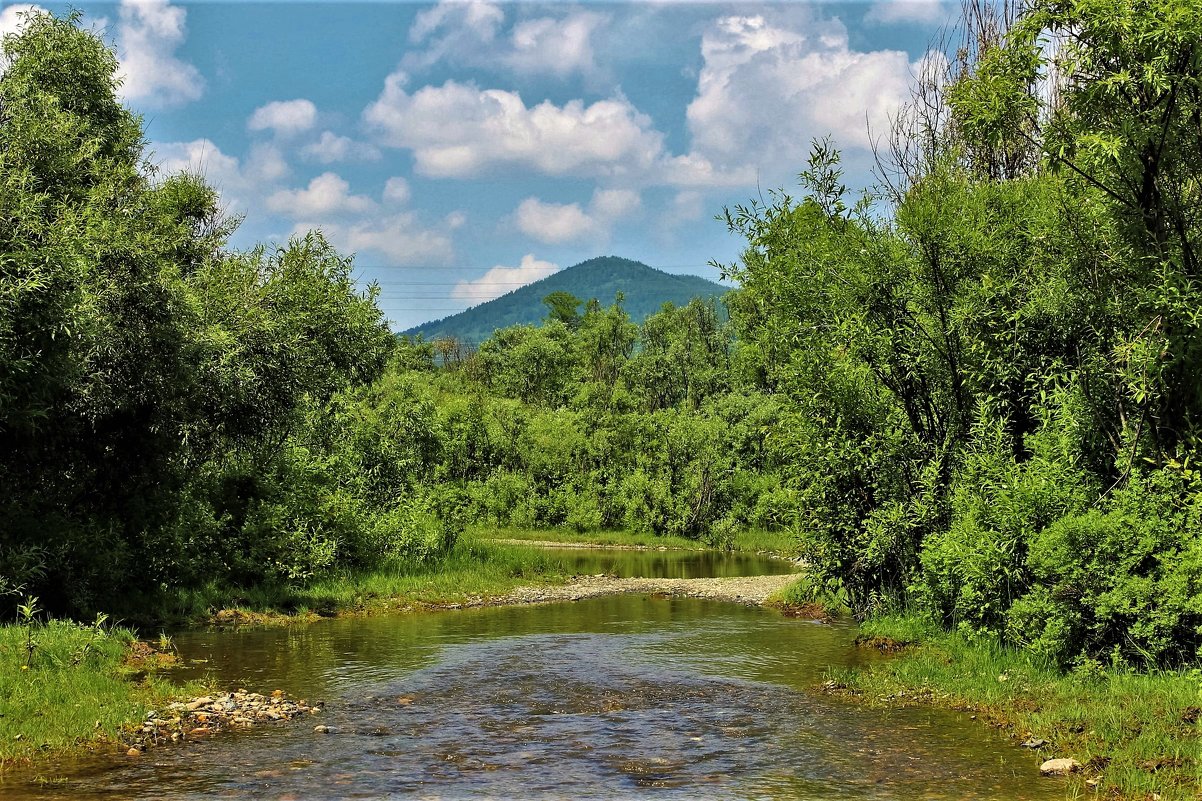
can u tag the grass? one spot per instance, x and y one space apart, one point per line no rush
778 542
64 685
477 569
1137 734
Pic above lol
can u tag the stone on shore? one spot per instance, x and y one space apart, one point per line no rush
1059 767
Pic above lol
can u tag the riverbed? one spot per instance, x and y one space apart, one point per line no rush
618 696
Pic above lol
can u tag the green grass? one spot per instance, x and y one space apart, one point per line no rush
1137 733
476 569
778 542
72 689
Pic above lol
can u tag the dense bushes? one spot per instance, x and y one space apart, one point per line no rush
158 391
994 358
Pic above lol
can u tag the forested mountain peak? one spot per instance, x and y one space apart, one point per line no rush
644 290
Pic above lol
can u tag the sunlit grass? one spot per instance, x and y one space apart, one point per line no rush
1137 733
70 688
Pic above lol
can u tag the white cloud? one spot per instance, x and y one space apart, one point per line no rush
201 157
555 223
331 147
241 183
770 86
148 34
266 164
480 19
396 190
887 12
285 117
502 279
473 34
611 204
457 130
327 194
555 46
11 17
399 239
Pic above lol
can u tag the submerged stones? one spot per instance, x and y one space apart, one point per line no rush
210 713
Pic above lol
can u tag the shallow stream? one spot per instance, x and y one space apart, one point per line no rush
613 697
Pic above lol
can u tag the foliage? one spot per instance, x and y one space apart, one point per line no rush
154 384
993 363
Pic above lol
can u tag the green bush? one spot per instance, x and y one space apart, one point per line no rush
1124 583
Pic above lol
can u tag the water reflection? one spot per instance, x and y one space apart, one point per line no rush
666 564
613 697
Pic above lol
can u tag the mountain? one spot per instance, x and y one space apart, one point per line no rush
644 289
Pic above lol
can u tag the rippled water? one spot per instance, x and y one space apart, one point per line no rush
618 697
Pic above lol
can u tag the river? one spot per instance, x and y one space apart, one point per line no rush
614 697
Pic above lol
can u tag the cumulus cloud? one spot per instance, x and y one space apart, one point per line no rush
474 34
888 12
148 34
396 190
284 117
331 148
241 183
11 17
502 279
457 130
767 87
401 240
326 195
201 157
555 223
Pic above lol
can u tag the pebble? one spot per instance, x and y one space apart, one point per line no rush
1059 767
210 713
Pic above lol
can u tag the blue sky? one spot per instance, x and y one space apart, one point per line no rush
461 149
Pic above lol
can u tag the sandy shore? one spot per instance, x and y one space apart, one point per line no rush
750 590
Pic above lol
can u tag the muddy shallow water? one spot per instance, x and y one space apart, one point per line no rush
611 697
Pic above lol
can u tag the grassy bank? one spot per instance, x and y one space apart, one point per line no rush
1137 734
474 568
477 567
63 685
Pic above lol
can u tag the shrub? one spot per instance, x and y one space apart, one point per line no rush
1126 582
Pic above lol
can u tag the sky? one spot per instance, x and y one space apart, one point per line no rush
462 149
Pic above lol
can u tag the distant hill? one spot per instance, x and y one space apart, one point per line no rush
644 291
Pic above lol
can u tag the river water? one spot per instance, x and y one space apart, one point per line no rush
613 697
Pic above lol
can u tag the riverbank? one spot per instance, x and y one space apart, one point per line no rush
485 567
93 686
749 590
66 686
1135 735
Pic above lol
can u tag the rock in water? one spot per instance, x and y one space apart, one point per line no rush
1059 767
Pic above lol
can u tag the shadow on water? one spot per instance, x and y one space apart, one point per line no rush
612 697
666 564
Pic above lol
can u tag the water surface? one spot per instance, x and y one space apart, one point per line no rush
623 563
612 697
